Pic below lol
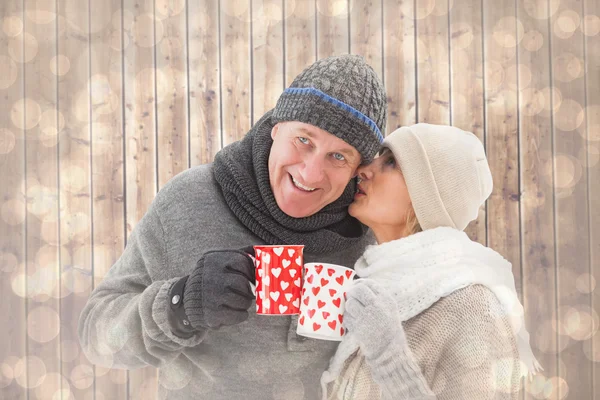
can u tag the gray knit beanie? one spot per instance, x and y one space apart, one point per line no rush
446 172
341 95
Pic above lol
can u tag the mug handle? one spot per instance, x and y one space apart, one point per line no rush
252 285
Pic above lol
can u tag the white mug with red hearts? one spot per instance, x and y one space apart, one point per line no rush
323 299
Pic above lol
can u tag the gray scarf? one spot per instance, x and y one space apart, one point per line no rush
241 170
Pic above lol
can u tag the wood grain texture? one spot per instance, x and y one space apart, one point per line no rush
366 32
204 81
433 62
333 26
537 200
13 205
43 261
300 37
591 29
171 88
235 79
501 120
78 94
466 82
140 145
399 64
108 186
537 209
267 55
571 201
107 101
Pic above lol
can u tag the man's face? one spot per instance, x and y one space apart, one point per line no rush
309 168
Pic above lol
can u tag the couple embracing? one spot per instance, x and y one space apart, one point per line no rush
432 315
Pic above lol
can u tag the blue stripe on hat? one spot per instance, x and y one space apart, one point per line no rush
337 103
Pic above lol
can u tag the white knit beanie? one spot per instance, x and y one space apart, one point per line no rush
446 173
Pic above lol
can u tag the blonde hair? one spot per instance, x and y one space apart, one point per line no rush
412 225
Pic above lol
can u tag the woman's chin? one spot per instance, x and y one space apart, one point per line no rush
355 210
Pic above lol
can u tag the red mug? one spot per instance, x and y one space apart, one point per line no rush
278 279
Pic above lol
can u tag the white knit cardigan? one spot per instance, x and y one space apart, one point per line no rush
419 271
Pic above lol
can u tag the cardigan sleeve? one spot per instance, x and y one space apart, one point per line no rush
480 359
463 346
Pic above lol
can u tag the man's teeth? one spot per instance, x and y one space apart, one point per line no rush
301 186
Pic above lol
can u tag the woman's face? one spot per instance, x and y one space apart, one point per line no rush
382 201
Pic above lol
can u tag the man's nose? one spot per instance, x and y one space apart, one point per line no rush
313 170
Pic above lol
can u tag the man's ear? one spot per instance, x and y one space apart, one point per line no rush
274 130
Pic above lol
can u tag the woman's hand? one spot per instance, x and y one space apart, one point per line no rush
371 316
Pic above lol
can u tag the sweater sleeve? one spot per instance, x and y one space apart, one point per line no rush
127 322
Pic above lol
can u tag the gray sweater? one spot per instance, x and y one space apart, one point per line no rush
125 323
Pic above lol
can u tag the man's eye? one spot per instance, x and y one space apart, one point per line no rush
339 157
303 140
390 161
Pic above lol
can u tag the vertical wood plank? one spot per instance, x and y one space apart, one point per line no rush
571 206
433 62
108 235
591 29
501 118
13 207
235 57
300 37
366 31
466 60
74 98
332 28
172 88
537 199
204 71
267 55
399 65
140 144
43 364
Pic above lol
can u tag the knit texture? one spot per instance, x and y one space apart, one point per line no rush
125 322
341 95
371 318
422 268
446 172
242 171
462 345
217 292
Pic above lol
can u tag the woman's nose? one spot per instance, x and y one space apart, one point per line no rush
365 172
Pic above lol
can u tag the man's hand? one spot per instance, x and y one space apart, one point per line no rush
218 291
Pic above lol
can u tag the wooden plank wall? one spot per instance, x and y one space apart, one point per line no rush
103 102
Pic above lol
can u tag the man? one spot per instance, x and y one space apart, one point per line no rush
174 301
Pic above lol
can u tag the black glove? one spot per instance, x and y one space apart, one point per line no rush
218 292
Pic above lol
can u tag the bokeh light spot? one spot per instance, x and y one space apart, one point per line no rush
26 113
60 65
43 324
569 115
30 372
7 141
8 72
23 47
12 26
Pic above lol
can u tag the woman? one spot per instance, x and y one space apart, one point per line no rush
435 314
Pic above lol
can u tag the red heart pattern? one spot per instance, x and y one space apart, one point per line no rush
278 279
323 298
